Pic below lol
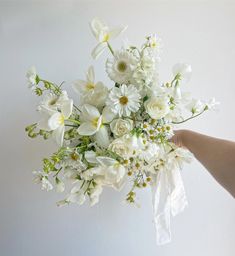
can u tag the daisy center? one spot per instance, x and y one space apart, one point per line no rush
74 156
122 66
123 100
52 101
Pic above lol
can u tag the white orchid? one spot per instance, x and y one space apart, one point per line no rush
103 34
89 91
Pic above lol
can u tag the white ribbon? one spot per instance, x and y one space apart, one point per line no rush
168 198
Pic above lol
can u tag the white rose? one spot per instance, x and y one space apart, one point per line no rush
119 127
157 107
121 147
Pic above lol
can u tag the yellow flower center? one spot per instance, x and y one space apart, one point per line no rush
122 66
123 100
61 119
90 86
106 38
95 121
74 156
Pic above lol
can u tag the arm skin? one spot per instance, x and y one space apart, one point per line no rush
217 155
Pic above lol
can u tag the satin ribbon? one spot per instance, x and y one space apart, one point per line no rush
169 198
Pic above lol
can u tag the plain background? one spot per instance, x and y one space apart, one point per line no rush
55 36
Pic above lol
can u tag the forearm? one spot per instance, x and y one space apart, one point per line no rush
217 155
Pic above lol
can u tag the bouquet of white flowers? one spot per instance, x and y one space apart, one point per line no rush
118 135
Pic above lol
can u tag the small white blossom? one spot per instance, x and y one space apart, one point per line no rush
31 76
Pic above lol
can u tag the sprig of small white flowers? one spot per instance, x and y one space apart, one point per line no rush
118 135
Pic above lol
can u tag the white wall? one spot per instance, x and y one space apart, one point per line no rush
54 35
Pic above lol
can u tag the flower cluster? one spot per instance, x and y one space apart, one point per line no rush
113 135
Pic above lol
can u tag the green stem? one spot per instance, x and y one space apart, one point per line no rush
73 121
56 89
70 125
57 172
76 108
110 48
191 117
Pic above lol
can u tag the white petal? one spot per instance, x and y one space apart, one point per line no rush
106 161
91 157
55 121
102 137
67 108
97 26
87 129
58 135
116 31
96 52
89 113
108 115
79 86
91 74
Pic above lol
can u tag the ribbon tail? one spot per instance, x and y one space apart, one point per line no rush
178 195
162 208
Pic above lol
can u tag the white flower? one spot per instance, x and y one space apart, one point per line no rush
92 123
60 186
40 178
150 152
120 67
103 34
177 157
154 42
157 107
184 70
124 100
55 120
113 171
53 102
76 196
119 126
31 76
122 147
95 194
195 106
212 104
89 91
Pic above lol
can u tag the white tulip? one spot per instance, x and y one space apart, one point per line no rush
103 34
57 121
93 123
89 91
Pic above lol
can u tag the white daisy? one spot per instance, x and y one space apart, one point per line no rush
120 67
124 100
